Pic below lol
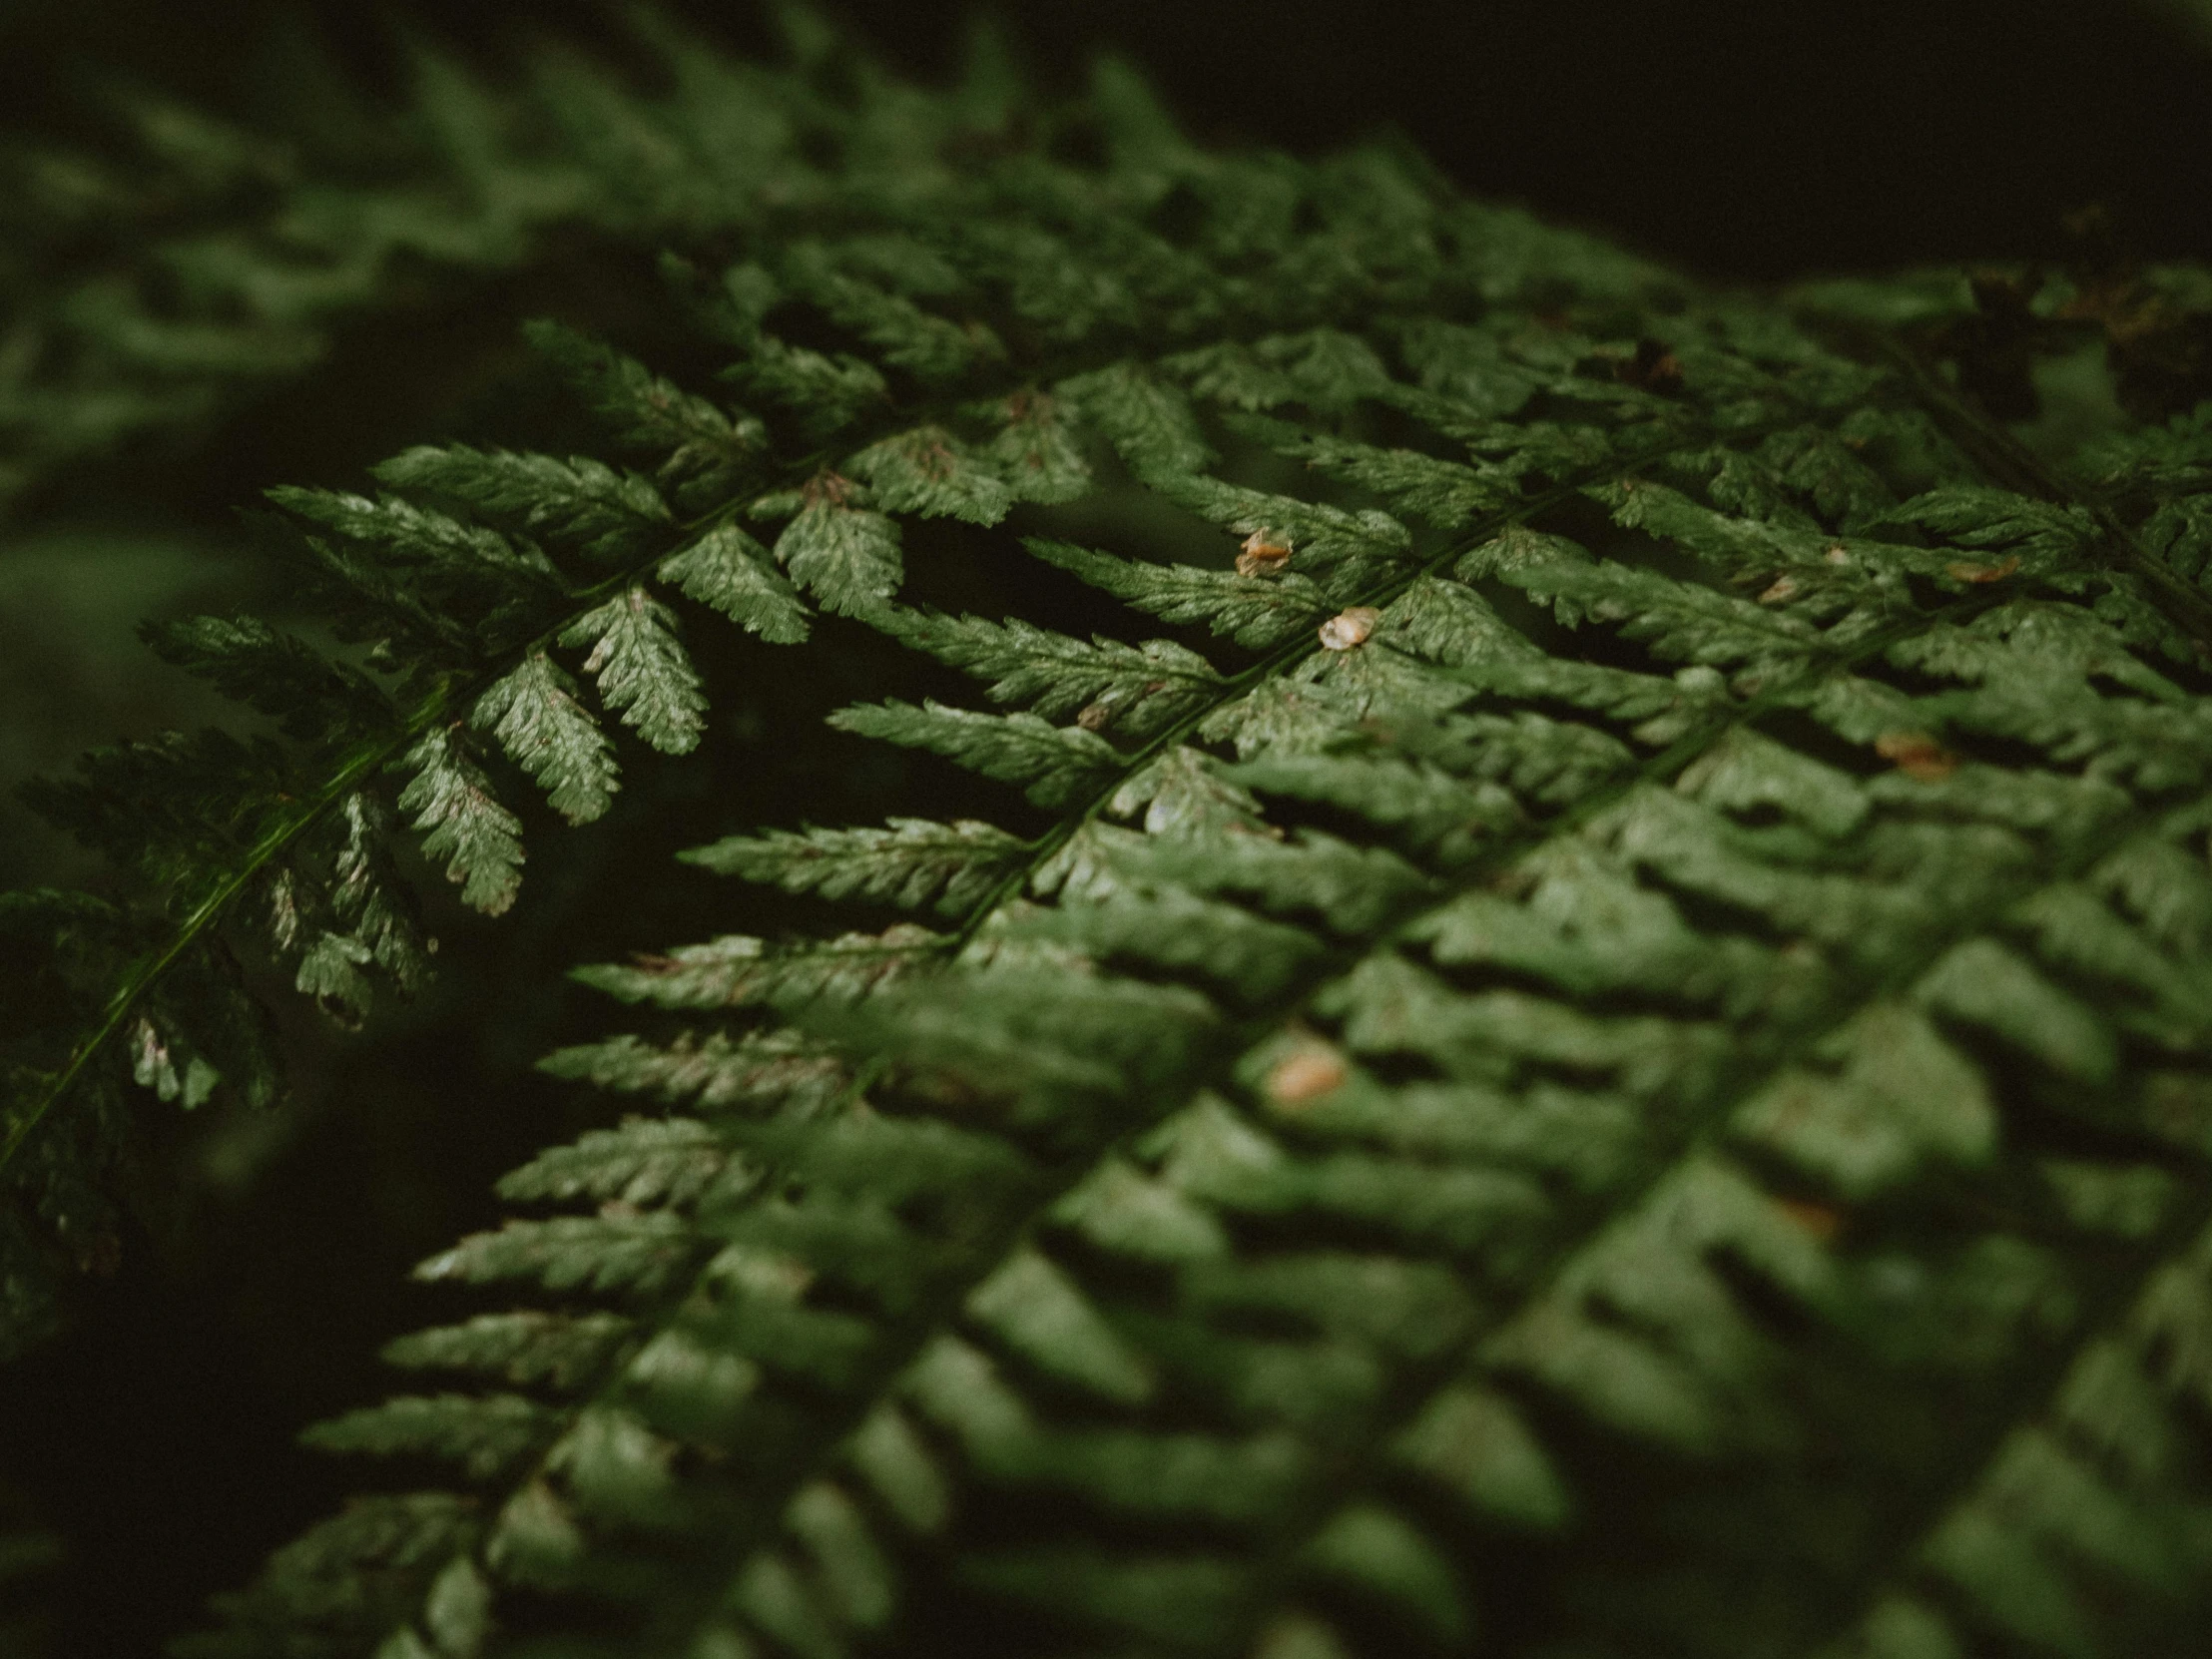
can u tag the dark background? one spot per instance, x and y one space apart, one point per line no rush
1743 140
1746 142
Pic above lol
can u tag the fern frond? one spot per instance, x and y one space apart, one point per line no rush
731 572
848 557
914 863
1382 1148
642 671
1050 763
736 970
1253 611
1628 1078
1136 690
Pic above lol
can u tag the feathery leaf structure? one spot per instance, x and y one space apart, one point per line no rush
487 584
1620 1070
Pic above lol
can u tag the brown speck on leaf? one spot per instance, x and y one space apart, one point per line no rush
1305 1076
1822 1221
1968 570
1782 587
1263 555
1916 755
1348 627
1836 555
1095 717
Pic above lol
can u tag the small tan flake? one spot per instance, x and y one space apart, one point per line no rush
1838 554
1263 555
1916 755
1305 1076
1968 571
1783 587
1349 627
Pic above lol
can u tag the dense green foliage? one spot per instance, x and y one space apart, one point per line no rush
1604 1053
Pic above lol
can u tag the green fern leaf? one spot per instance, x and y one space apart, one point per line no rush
1050 763
463 823
561 1350
845 556
605 513
1134 689
534 715
643 671
914 863
1149 422
930 472
736 970
645 409
729 570
487 1433
1257 611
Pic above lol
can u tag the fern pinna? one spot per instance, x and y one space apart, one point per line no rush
1602 1055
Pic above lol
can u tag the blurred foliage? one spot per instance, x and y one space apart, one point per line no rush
73 672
